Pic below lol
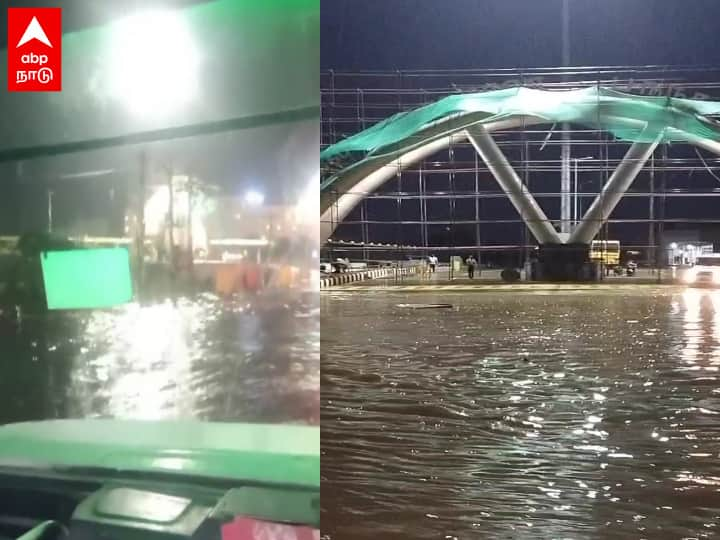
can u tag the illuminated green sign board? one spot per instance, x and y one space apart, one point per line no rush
87 278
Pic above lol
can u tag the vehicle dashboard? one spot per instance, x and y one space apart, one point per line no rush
58 506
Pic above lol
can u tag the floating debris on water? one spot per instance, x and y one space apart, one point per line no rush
425 306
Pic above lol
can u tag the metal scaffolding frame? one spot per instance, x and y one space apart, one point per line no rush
461 182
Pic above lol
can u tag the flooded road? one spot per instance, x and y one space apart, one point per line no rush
554 415
254 360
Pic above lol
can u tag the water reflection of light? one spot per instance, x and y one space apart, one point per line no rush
146 365
715 299
701 329
691 326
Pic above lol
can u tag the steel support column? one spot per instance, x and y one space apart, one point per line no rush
565 193
511 184
618 183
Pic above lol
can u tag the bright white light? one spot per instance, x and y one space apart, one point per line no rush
690 275
227 256
307 209
314 280
199 232
156 215
673 245
254 198
239 242
156 210
153 62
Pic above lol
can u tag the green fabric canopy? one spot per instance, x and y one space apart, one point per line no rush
593 107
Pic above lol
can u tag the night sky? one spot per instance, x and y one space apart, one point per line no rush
424 34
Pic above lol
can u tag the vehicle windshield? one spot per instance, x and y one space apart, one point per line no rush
159 280
605 246
176 209
708 261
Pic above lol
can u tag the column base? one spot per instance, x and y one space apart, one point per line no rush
563 263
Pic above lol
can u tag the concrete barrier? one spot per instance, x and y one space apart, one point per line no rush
363 275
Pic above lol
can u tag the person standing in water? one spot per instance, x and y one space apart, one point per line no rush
471 264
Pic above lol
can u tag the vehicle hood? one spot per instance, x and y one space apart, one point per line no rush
273 454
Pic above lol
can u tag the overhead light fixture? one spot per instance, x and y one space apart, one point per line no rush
254 198
153 62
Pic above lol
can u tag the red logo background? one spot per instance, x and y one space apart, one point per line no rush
25 72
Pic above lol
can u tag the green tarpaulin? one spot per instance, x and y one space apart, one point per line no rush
623 115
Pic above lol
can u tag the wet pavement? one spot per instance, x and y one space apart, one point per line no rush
593 414
253 359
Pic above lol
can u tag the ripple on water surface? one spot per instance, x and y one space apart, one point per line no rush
247 360
521 416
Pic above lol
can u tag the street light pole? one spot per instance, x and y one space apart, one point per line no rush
50 210
576 216
565 149
575 190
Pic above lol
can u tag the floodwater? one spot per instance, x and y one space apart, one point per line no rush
557 415
249 359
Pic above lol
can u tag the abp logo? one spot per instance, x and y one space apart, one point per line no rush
34 49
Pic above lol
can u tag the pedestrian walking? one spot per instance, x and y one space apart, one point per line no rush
471 264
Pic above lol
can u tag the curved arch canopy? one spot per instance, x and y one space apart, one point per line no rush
381 151
595 107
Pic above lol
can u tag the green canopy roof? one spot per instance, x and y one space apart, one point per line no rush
628 117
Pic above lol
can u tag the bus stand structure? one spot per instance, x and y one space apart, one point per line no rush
360 164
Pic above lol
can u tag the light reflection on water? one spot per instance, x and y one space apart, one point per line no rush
591 415
246 360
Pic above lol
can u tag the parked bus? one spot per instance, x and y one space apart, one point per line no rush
606 252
